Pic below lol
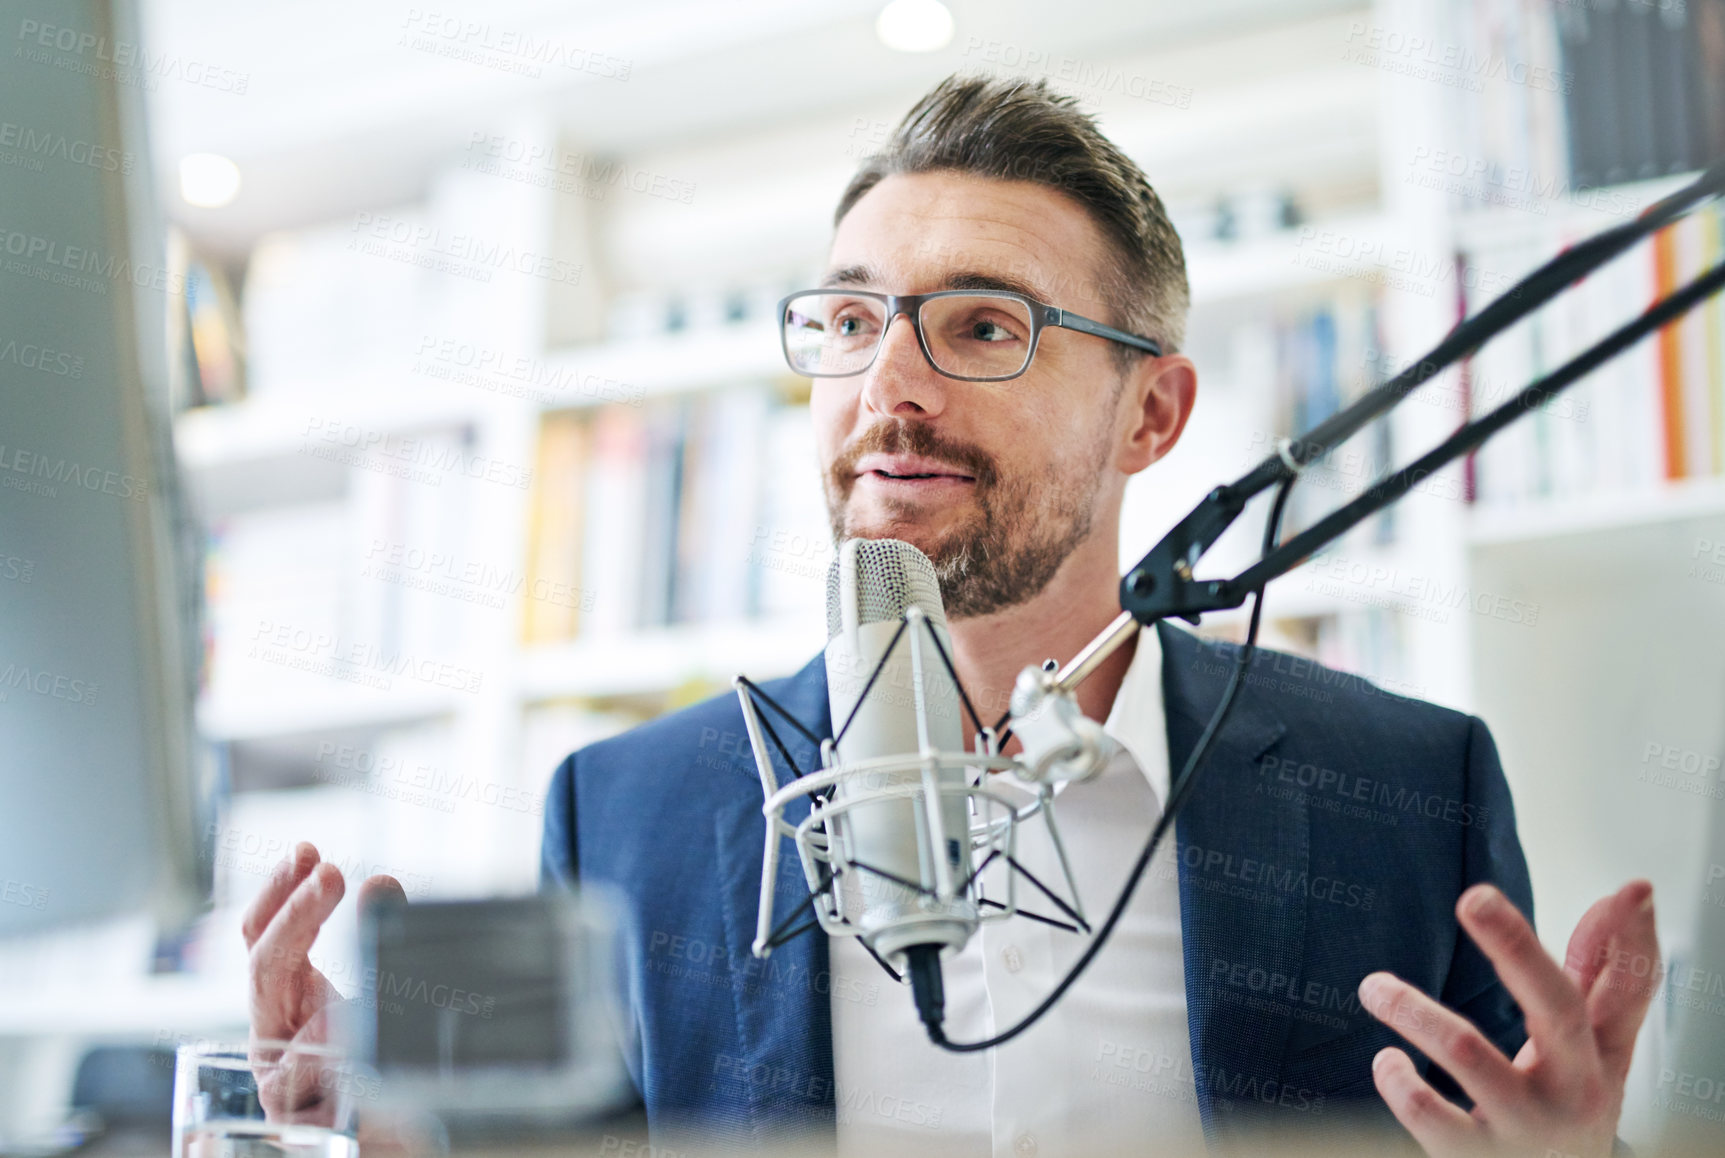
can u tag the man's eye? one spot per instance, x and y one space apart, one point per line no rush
852 323
989 328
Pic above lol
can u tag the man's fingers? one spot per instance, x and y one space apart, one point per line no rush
283 881
381 888
1624 988
1437 1124
290 933
1449 1039
1589 950
1550 1001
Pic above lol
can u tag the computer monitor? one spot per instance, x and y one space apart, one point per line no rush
101 809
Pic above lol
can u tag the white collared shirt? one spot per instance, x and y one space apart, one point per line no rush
1110 1066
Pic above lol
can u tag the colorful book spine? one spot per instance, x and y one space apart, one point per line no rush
663 515
1653 414
552 609
1670 359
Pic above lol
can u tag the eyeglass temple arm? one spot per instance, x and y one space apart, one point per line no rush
1071 321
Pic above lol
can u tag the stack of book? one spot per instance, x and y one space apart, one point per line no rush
1644 100
1654 414
1560 101
694 509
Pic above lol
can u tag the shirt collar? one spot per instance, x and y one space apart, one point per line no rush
1136 720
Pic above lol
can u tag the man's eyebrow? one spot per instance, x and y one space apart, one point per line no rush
853 275
969 279
981 280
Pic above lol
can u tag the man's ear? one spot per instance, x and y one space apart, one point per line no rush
1157 400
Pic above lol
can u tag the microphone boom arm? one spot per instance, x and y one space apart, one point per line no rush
1161 585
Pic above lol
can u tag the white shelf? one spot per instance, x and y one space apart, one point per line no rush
277 425
662 659
648 662
267 713
668 363
143 1008
1585 514
1288 259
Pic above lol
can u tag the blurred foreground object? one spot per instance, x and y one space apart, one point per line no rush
495 1017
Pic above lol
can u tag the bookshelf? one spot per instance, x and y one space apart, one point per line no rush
444 374
1598 513
1374 205
226 719
476 372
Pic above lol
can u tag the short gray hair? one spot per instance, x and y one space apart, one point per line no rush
1014 129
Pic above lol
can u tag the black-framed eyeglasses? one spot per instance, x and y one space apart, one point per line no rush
972 335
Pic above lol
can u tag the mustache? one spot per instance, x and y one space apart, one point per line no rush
899 437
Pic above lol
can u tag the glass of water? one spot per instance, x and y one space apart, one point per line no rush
266 1098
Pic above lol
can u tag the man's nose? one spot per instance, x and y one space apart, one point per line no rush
901 383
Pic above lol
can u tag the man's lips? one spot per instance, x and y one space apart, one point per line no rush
901 471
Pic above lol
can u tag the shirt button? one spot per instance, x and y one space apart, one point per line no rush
1014 961
1024 1145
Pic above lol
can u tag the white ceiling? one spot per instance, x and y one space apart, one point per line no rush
341 111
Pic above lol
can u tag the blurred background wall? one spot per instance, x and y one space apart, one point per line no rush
493 453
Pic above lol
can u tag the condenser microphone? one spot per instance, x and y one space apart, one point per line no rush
899 810
894 701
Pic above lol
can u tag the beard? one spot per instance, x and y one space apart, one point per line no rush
1008 550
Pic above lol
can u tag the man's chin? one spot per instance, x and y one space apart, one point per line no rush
928 539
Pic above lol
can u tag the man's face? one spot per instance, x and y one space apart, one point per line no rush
997 482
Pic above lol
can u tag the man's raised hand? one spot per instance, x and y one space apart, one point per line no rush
1564 1091
290 998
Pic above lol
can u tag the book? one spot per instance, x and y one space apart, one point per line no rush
616 499
1326 355
551 609
722 477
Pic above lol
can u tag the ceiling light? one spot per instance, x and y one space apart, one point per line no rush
914 25
208 179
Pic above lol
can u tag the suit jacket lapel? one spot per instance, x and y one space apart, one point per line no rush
1242 868
784 1019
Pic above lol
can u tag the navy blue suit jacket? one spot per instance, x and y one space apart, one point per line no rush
1329 836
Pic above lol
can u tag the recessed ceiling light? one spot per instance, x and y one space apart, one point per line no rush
208 179
914 25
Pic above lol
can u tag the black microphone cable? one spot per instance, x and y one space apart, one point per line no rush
923 961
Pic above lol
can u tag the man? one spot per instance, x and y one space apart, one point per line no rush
1277 948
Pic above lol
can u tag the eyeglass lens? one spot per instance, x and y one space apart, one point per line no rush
833 333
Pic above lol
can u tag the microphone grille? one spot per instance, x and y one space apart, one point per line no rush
891 575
